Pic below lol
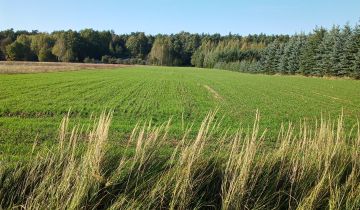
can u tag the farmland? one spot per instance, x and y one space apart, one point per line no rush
225 146
131 105
32 105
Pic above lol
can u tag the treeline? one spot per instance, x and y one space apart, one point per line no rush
89 45
334 52
99 46
324 52
71 46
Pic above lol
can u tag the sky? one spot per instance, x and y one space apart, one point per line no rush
171 16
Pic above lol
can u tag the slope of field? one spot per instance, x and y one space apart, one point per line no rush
32 105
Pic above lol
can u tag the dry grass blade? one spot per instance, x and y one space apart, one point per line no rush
316 168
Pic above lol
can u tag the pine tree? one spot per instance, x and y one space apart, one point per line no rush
264 61
270 58
310 54
284 60
356 66
326 47
348 52
295 54
278 57
355 69
336 52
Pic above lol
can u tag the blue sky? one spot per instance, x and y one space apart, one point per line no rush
172 16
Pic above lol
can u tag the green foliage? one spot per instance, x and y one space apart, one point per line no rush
271 59
321 53
15 51
240 66
187 45
95 43
46 55
42 45
356 66
138 45
3 43
326 49
230 49
117 47
284 67
162 52
310 55
330 53
336 53
295 55
68 46
348 52
355 69
20 49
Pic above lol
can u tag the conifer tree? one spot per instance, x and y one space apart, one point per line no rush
355 69
348 52
295 54
271 57
278 56
325 49
285 59
356 66
310 54
336 52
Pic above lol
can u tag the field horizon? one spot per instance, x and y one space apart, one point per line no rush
150 137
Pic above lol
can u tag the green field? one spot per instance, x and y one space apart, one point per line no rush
32 105
91 159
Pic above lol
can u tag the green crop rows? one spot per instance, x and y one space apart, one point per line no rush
32 105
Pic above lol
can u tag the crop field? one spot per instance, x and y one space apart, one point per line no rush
191 110
32 105
178 138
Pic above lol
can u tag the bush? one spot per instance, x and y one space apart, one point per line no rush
90 60
45 55
106 59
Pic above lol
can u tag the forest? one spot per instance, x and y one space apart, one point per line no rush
323 52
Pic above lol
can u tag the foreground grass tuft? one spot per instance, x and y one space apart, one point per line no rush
317 168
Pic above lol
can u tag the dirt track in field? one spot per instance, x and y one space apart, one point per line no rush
212 91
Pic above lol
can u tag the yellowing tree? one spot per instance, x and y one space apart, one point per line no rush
161 52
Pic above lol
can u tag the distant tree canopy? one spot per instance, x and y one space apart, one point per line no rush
20 49
138 45
324 52
162 52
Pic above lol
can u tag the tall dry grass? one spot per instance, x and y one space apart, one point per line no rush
316 168
23 67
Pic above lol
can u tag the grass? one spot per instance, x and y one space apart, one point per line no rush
16 67
32 105
160 148
317 168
